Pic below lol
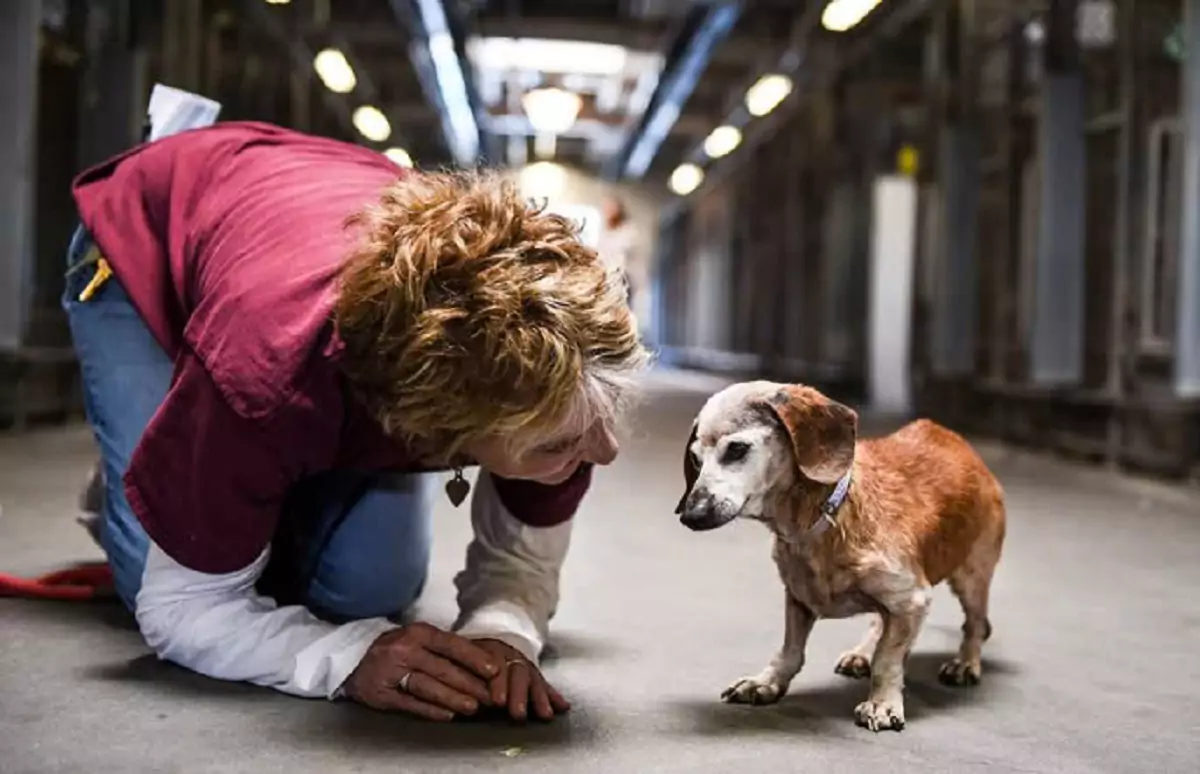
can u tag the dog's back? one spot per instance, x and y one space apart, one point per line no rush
927 481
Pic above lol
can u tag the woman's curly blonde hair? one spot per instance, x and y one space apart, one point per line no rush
467 312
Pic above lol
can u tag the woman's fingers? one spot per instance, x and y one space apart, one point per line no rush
395 700
540 696
462 651
426 688
556 699
518 690
452 675
499 689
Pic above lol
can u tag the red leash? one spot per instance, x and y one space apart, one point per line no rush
83 582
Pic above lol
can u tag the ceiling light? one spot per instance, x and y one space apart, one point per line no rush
722 141
278 2
543 180
372 124
548 56
841 15
399 156
766 94
334 71
686 178
551 110
545 145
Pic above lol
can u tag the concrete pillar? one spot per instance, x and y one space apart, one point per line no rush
956 290
300 103
19 21
114 89
182 43
1056 335
1187 327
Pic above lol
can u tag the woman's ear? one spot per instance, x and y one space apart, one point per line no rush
690 471
823 432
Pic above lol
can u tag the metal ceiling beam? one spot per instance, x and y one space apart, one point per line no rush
629 33
812 68
704 28
437 55
636 36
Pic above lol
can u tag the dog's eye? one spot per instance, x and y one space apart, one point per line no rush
735 451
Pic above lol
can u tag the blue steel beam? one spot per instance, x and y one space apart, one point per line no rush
711 26
444 77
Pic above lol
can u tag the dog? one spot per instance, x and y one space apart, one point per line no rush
860 527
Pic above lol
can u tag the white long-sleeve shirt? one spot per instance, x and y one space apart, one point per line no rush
220 626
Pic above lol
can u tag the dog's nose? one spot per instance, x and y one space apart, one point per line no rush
702 512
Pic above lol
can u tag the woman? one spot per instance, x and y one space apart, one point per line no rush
617 248
283 338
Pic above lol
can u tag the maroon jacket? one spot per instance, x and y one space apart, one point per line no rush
227 241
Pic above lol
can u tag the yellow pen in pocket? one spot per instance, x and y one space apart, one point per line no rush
103 272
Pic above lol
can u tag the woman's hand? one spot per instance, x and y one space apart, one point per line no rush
425 671
520 684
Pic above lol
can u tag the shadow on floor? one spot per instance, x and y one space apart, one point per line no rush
172 680
362 729
573 646
106 613
341 725
830 709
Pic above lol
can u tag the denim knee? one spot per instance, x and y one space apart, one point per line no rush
376 562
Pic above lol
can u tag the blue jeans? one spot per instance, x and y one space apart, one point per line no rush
350 545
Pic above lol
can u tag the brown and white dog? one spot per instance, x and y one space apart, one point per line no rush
865 526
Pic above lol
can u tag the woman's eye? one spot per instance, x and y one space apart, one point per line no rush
560 447
735 451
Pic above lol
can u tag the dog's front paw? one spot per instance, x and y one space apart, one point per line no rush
880 715
853 665
960 673
753 690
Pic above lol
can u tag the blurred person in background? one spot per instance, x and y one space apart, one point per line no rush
282 338
617 246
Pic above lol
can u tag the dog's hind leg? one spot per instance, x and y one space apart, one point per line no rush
971 583
856 662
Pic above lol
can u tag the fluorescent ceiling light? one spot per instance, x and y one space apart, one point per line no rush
686 178
399 156
278 2
722 141
548 56
372 124
334 71
766 94
841 15
551 110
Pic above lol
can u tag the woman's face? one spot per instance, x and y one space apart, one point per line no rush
552 461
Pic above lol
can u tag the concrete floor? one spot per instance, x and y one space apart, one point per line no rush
1093 666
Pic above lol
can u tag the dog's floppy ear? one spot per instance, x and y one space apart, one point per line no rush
822 431
690 471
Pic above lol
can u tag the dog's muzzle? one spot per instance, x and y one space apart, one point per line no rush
702 512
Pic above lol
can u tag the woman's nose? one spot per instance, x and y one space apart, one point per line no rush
602 446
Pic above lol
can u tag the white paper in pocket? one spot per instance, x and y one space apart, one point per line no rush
175 110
